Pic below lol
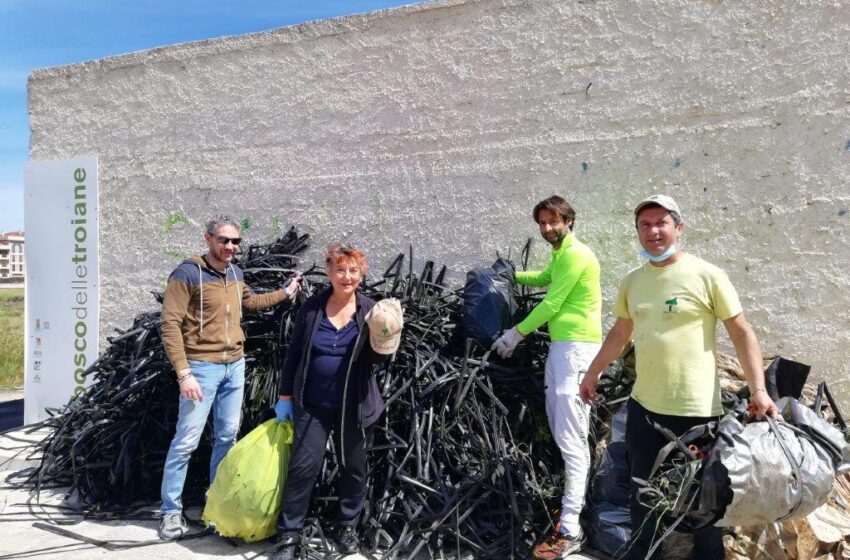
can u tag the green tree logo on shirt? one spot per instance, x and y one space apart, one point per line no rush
671 304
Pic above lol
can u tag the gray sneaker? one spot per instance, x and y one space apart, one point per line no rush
172 526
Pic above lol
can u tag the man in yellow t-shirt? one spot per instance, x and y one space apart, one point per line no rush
671 305
572 309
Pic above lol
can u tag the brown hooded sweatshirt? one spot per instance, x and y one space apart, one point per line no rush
202 311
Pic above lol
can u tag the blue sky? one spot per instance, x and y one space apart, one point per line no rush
42 33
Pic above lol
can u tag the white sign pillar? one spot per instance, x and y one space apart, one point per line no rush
62 294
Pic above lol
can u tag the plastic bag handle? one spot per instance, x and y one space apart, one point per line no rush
794 466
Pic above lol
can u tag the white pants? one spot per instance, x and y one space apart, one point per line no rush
568 422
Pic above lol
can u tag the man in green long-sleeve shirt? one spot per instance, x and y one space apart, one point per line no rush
573 310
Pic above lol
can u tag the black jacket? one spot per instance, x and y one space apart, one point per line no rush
360 386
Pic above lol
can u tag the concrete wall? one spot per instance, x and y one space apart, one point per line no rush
441 125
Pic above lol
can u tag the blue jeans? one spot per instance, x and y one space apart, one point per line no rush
222 386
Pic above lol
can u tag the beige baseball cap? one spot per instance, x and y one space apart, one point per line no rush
385 321
661 200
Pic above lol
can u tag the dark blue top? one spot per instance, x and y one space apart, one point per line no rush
329 357
295 358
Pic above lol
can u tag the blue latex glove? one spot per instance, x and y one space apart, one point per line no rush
283 410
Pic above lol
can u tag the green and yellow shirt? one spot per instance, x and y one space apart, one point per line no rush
573 304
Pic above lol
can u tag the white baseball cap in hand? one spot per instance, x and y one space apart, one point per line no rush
385 321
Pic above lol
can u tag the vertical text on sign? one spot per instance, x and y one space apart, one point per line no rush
79 281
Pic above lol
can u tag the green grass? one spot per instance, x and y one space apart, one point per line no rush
11 338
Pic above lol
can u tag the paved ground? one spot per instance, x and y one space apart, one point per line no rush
37 527
33 526
11 395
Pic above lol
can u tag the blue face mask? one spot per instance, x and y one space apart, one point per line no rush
671 250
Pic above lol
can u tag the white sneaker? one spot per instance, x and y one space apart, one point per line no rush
172 526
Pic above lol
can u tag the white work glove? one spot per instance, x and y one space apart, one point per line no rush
505 344
292 286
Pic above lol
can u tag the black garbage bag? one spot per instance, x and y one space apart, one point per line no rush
610 528
783 378
611 480
607 521
488 301
786 378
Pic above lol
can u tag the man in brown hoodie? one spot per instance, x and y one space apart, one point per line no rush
203 339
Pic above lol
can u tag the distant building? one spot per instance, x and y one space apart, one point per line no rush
12 263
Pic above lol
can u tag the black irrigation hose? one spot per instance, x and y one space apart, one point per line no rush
461 459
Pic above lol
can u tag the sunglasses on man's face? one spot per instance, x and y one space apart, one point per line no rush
225 240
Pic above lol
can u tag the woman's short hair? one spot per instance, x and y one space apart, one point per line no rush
560 206
338 252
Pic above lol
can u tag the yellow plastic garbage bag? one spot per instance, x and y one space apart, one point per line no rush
244 499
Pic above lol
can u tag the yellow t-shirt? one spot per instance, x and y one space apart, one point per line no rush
674 310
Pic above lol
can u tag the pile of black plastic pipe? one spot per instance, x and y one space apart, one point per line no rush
462 459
